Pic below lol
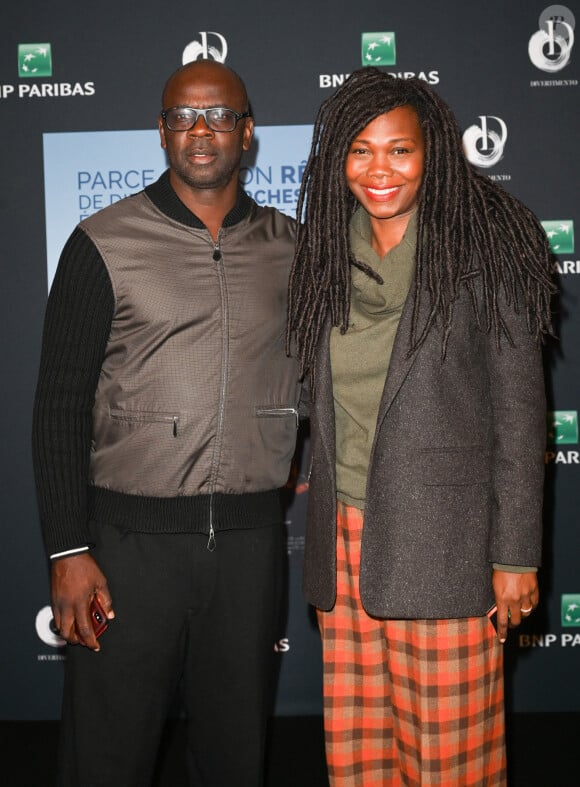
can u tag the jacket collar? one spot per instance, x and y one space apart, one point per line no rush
163 196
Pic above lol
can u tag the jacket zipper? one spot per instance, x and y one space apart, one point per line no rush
217 258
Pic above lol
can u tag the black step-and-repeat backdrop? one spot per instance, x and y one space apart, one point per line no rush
79 95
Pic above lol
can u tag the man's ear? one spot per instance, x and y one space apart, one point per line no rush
161 127
248 132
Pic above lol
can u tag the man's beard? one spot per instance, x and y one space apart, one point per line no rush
205 176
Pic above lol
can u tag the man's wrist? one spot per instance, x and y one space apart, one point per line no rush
71 552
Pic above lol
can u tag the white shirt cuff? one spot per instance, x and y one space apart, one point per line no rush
67 552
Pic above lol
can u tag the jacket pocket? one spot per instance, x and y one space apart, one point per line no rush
278 412
142 417
455 466
274 440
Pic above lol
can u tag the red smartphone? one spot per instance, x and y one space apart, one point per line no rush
492 615
98 617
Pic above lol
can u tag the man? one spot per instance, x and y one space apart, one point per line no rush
165 422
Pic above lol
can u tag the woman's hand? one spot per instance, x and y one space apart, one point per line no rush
516 596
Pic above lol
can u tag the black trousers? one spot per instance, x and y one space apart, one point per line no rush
205 621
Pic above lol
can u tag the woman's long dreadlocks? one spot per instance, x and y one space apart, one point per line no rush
470 231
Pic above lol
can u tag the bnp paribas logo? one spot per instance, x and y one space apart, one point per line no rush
563 427
378 49
34 60
560 235
571 609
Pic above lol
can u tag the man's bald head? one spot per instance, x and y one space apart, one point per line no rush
207 72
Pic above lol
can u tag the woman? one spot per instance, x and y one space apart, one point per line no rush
419 296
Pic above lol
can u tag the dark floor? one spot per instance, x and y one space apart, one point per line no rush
544 751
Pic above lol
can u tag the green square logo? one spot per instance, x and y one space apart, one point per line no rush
560 235
571 609
34 60
378 49
563 427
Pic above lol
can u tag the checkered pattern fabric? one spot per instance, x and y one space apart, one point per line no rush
407 702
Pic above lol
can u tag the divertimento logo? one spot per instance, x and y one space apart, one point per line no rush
204 50
46 630
484 144
550 47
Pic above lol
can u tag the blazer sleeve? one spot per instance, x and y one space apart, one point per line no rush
518 404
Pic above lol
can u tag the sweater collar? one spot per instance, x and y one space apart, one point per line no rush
361 234
163 196
396 268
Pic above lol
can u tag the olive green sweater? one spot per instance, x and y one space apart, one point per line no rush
360 357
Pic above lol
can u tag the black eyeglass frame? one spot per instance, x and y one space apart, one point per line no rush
237 117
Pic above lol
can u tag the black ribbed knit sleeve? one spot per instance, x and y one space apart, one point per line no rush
76 329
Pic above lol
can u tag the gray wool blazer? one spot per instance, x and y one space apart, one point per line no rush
456 472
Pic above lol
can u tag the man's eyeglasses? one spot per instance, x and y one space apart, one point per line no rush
216 118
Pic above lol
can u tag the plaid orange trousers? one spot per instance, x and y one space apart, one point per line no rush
407 702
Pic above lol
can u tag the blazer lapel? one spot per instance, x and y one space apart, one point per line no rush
401 362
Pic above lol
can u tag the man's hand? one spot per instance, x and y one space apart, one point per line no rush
516 596
75 580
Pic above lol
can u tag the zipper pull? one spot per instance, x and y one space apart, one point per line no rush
211 540
175 419
217 252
